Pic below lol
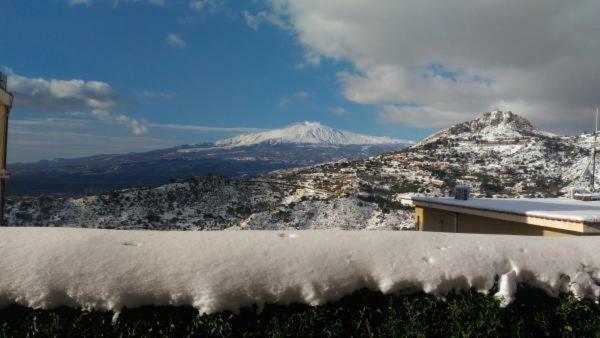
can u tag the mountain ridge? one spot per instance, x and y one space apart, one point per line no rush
492 126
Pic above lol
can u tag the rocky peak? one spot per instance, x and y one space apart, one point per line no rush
490 126
501 119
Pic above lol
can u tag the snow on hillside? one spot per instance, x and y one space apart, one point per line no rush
342 194
216 271
211 203
307 133
491 126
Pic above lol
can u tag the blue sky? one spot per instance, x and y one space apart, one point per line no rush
187 74
113 76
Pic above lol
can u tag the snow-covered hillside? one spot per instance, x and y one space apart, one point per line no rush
499 154
494 126
215 271
211 203
307 133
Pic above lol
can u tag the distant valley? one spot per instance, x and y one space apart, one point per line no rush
298 145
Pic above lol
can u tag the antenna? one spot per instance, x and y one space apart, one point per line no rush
594 154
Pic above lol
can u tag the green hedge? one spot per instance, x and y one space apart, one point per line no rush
363 314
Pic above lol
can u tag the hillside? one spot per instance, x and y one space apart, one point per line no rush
499 154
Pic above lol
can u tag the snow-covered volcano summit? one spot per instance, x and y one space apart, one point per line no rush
307 133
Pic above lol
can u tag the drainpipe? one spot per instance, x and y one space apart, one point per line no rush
456 222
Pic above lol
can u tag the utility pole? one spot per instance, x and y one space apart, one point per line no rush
6 100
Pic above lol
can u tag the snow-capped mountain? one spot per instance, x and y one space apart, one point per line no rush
307 133
499 154
298 145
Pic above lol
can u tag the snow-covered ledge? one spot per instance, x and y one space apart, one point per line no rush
225 270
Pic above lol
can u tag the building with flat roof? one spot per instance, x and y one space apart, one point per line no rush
523 216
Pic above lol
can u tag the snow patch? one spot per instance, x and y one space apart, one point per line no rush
507 288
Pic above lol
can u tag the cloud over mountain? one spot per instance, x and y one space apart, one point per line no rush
444 61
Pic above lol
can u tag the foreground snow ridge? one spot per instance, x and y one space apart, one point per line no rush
226 270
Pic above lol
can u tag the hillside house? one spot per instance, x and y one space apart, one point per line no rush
533 217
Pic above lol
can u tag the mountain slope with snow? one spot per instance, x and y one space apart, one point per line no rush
307 133
494 126
498 154
298 145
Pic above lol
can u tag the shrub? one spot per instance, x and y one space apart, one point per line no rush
363 314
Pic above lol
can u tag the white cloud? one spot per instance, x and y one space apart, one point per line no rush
255 20
197 5
52 137
80 2
51 122
297 96
300 95
423 117
200 5
284 101
197 128
33 139
60 95
35 144
156 95
338 110
117 2
92 98
136 126
456 58
175 40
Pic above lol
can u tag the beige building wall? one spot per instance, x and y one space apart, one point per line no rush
431 219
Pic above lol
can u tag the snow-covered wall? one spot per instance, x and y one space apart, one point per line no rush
225 270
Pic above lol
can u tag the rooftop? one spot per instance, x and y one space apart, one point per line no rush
558 209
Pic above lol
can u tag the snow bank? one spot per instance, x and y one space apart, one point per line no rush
215 271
